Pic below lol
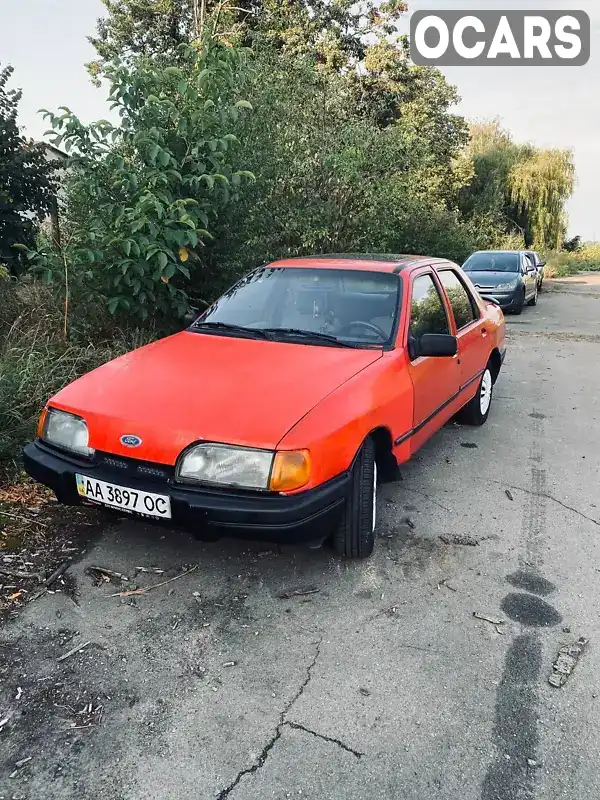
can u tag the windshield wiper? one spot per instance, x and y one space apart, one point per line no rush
314 335
230 327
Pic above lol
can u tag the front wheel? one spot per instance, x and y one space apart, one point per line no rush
355 535
477 410
534 299
518 309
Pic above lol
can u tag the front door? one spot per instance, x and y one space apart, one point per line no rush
436 380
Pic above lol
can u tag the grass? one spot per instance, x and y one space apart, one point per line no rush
36 361
561 265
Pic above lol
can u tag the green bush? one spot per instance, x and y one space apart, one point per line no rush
149 190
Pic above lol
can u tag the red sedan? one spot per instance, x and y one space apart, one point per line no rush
272 415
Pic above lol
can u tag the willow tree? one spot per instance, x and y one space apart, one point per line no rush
522 187
540 186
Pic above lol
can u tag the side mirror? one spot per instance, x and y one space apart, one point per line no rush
436 344
542 264
490 299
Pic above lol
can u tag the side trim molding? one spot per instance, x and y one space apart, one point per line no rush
446 403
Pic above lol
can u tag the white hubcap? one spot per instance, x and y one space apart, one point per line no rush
374 496
485 393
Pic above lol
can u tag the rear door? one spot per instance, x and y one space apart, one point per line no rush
436 381
470 329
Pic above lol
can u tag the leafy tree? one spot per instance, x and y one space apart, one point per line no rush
331 180
151 188
333 34
27 188
141 28
493 155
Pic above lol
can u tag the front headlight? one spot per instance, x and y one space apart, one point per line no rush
245 467
230 466
506 287
66 431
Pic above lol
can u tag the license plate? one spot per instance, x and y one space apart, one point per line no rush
124 498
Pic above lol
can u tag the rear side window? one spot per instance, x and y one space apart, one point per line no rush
460 298
427 312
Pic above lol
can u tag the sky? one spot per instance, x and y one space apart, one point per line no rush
45 41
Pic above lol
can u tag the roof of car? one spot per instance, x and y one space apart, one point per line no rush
381 262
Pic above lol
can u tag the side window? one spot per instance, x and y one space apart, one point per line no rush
460 298
427 312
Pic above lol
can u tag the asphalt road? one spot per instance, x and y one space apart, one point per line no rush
380 685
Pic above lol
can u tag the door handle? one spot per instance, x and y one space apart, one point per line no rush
484 331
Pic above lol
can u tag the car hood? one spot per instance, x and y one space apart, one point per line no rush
194 386
490 279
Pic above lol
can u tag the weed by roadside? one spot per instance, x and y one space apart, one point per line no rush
36 361
561 265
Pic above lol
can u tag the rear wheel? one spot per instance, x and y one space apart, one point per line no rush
477 410
355 535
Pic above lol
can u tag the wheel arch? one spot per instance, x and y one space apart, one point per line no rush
387 466
495 363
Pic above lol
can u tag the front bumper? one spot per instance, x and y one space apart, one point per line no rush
506 300
206 512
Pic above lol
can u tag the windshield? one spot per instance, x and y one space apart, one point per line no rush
492 262
351 307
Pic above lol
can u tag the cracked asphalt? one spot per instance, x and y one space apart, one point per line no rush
382 684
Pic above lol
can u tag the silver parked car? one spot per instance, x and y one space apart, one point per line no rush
539 267
508 277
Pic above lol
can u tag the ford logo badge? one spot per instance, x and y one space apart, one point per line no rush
130 440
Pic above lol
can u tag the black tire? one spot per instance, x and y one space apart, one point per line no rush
519 309
472 413
534 299
355 534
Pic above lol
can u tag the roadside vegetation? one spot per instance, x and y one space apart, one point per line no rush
239 133
585 258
